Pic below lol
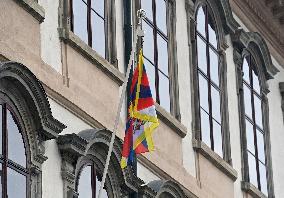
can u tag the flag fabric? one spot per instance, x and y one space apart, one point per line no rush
142 118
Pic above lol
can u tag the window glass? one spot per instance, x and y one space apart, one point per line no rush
246 71
201 21
217 138
80 19
252 169
98 34
151 76
148 45
255 82
201 52
16 184
247 101
203 93
250 137
16 147
214 67
98 6
205 128
263 181
211 32
1 179
85 184
164 92
260 146
161 15
162 54
98 185
147 6
258 112
215 97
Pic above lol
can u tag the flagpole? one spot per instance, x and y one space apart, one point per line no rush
138 33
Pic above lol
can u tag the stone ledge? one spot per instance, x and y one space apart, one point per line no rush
33 8
252 190
219 162
69 37
171 121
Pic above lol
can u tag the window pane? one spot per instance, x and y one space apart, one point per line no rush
16 184
211 32
0 131
263 180
258 111
162 55
151 76
98 185
164 92
215 97
98 6
214 66
1 175
250 137
16 147
203 92
246 71
148 46
247 101
147 6
260 146
217 138
201 51
98 34
255 82
161 15
80 19
252 169
85 184
205 128
201 21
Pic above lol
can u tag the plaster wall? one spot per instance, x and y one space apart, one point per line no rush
50 44
145 174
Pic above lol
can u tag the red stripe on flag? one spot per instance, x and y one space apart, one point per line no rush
144 103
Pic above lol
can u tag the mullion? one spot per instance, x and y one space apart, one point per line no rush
254 123
93 181
160 32
205 40
208 115
210 81
89 24
4 149
92 9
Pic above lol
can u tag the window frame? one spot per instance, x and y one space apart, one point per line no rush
5 161
222 46
246 184
172 54
66 33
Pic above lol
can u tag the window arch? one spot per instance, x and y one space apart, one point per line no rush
209 79
15 158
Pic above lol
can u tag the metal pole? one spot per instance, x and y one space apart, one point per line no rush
139 32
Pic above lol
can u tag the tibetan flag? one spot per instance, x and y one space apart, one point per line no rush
142 118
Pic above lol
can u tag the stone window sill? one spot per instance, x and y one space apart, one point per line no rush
171 121
252 190
69 37
33 8
219 162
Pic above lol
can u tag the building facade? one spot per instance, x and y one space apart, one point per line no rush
216 70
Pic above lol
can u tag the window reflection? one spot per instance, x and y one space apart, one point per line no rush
217 138
203 93
263 180
250 137
164 92
252 169
16 184
205 127
80 19
147 6
16 147
214 67
98 34
201 53
201 21
162 15
247 101
211 32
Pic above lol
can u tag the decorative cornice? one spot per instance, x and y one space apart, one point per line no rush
33 8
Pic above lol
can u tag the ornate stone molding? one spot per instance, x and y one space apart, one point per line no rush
167 189
245 40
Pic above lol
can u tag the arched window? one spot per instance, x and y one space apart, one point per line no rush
208 71
14 154
88 183
254 129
